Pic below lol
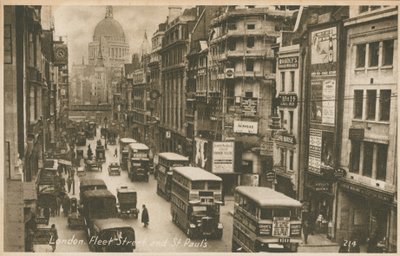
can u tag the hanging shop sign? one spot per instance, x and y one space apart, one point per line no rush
339 173
270 176
245 127
249 106
229 73
287 100
288 62
286 138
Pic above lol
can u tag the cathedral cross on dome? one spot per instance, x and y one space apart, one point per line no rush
109 11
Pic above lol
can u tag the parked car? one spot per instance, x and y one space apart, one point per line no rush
114 169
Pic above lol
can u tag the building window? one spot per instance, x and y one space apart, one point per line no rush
363 8
231 45
7 44
292 81
248 94
282 117
249 65
381 161
368 158
373 54
387 54
282 81
290 122
291 159
355 156
251 26
358 103
250 42
371 104
231 26
361 50
384 101
283 158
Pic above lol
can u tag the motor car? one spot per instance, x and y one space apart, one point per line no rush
127 201
75 219
92 165
114 169
112 235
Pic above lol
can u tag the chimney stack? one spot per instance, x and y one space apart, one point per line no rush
174 12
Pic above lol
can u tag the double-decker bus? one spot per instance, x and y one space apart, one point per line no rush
163 172
265 220
139 161
195 202
124 152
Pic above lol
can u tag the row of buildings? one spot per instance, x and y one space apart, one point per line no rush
302 99
36 101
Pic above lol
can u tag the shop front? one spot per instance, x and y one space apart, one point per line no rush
365 212
319 193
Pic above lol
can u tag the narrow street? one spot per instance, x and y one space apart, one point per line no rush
161 235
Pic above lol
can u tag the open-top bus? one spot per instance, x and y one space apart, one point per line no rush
163 172
265 220
195 202
139 161
124 152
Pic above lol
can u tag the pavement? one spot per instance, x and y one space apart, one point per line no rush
314 241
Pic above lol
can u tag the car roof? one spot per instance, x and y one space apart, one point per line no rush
91 182
264 196
126 190
98 193
173 156
111 223
127 140
196 173
139 146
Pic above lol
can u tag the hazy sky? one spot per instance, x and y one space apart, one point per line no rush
78 24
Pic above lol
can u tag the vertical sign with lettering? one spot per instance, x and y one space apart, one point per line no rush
314 159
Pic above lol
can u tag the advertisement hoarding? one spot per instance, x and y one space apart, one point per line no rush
223 154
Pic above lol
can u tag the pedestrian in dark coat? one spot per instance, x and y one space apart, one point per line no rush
145 216
306 231
69 183
66 205
54 236
58 207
